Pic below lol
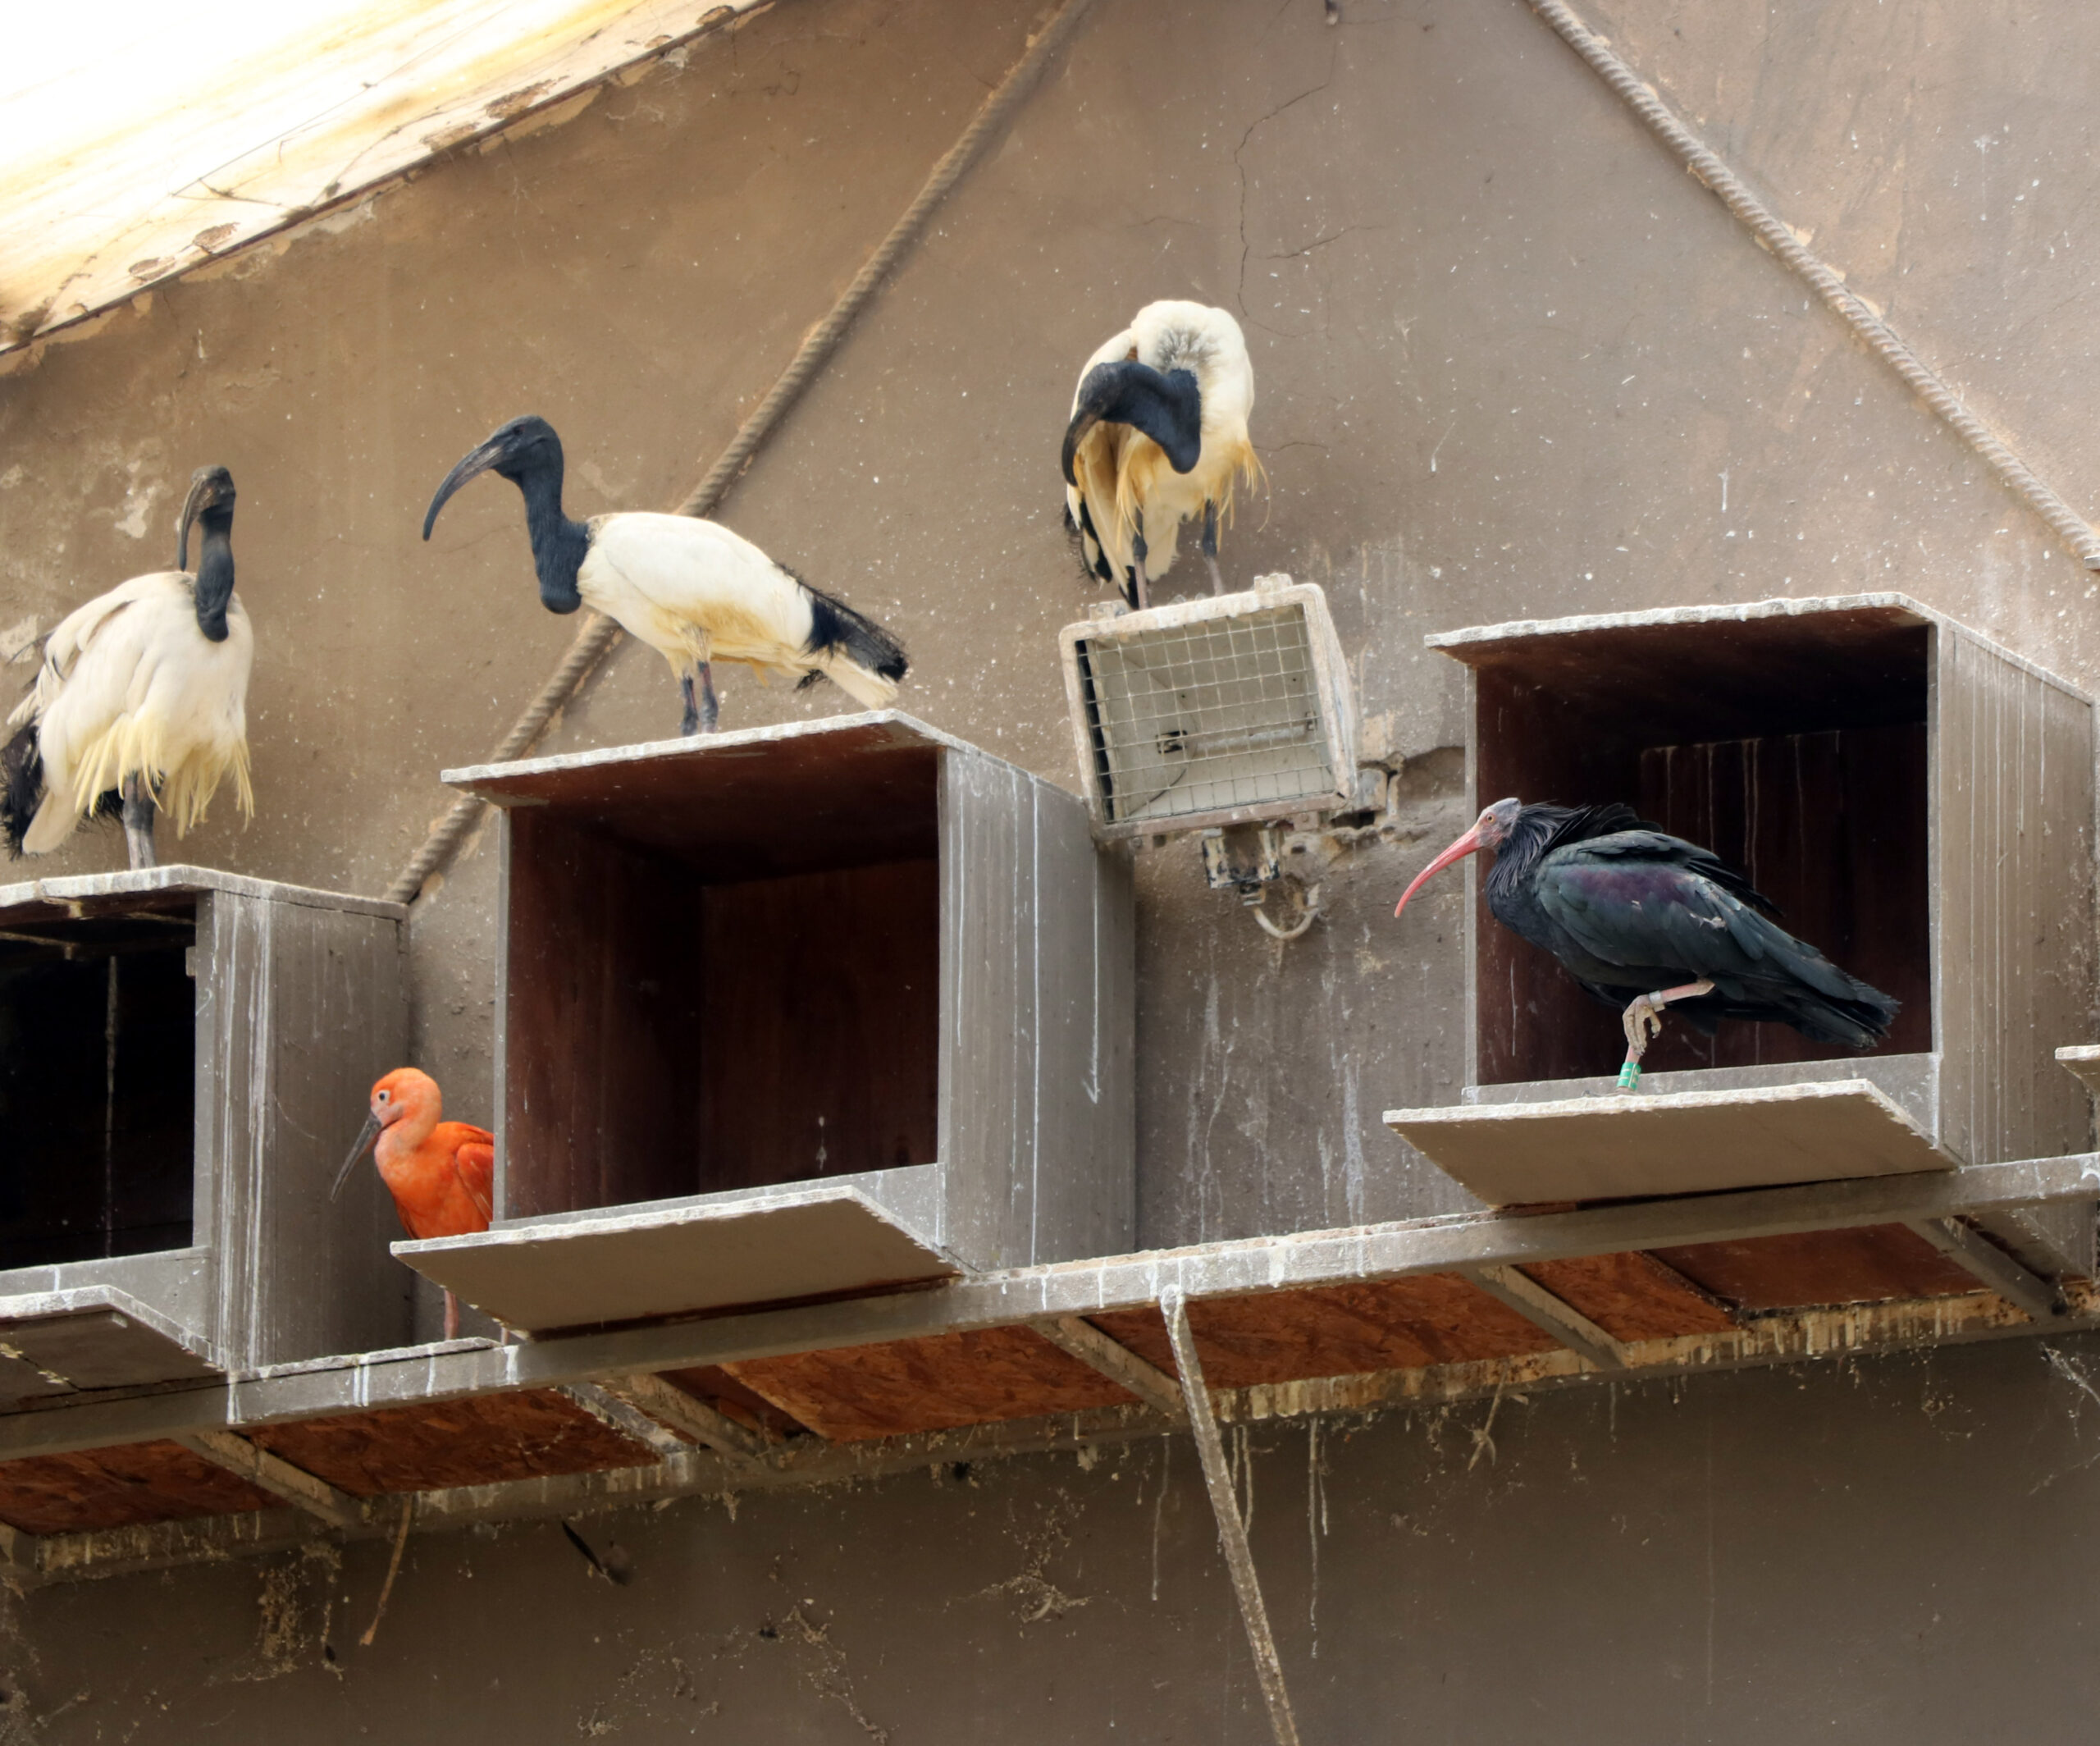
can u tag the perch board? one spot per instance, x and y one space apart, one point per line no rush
1620 1147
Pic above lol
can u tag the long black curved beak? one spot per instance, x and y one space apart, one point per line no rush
472 465
1165 405
209 487
365 1141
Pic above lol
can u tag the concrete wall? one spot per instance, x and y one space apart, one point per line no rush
1511 362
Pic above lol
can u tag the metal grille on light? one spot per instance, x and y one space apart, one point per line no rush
1230 707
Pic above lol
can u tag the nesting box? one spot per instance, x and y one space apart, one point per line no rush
795 1011
1225 711
184 1058
1918 800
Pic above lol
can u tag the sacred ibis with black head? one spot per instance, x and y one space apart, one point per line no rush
1158 436
691 589
141 702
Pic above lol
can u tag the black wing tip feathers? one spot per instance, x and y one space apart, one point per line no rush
21 788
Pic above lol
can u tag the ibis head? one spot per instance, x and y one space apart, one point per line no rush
527 452
1490 831
209 506
395 1096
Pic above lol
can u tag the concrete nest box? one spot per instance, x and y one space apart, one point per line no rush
795 1013
184 1054
1919 803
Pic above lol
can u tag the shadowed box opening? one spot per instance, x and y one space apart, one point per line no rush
1795 747
722 973
98 1091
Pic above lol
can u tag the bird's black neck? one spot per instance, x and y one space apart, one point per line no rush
559 544
215 573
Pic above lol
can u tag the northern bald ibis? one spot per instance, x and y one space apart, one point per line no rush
691 589
1643 919
143 691
441 1174
1157 436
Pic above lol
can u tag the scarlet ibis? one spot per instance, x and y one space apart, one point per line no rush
143 691
1158 436
441 1174
1643 919
691 589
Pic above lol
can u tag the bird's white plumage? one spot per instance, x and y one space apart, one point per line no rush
1123 474
695 592
130 686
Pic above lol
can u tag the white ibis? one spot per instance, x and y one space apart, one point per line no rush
1643 919
144 691
1158 436
691 589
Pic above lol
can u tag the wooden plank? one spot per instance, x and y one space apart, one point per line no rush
1232 1529
1633 1296
142 1481
822 1057
691 1417
93 1337
1082 1340
1565 1323
714 1388
2012 870
95 893
481 1441
860 784
1976 1255
1687 1142
927 1385
806 1241
604 1022
272 1473
1832 1214
301 1007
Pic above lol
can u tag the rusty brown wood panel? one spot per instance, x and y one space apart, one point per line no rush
1282 1336
928 1385
603 1025
822 1056
714 1386
1633 1296
2013 877
120 1488
1869 1264
478 1441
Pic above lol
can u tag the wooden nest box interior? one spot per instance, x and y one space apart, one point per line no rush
1918 800
183 1055
795 1011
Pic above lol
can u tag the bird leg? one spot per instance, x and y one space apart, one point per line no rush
1210 546
702 712
451 1316
1138 549
139 821
1644 1023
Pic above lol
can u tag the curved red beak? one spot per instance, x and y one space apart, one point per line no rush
1465 846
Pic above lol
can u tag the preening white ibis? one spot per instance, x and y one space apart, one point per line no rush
1158 436
691 589
143 695
1643 920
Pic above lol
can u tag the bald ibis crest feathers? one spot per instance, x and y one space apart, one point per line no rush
689 589
1641 919
141 700
1157 436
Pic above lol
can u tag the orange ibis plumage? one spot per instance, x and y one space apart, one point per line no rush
441 1174
691 589
143 694
1158 436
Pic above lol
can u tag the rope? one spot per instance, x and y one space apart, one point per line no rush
1857 313
600 636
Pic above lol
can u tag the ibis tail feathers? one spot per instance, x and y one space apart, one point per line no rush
22 788
853 651
183 778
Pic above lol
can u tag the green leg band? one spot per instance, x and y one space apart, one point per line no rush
1629 1076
